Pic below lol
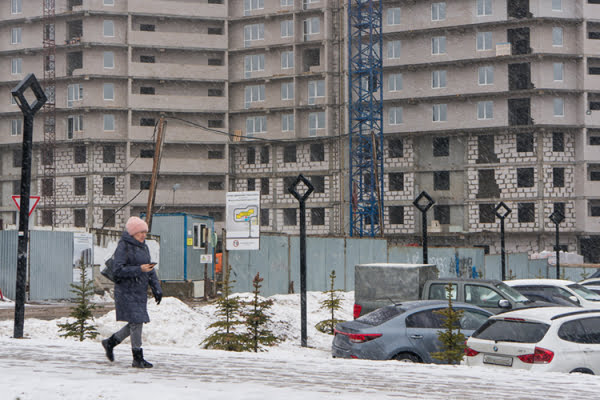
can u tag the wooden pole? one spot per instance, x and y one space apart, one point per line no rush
155 168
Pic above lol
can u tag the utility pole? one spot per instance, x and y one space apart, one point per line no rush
155 168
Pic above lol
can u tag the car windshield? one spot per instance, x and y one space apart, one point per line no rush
501 330
380 315
511 293
584 292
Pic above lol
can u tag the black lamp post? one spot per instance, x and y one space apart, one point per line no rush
502 211
557 217
302 199
423 207
28 111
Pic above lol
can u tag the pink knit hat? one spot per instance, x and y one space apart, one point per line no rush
136 225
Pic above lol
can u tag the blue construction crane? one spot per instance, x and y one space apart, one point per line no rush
365 110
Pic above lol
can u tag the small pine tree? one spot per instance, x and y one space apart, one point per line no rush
82 312
225 337
510 275
452 339
332 303
257 319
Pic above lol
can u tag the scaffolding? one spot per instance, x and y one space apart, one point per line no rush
365 110
48 150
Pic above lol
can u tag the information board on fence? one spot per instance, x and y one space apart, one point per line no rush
242 220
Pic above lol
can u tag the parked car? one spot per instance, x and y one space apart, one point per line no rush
559 301
552 339
591 283
559 288
405 332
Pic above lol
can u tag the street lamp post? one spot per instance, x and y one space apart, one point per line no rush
557 217
28 111
502 211
423 207
302 199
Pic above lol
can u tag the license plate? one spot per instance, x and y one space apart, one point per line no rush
498 360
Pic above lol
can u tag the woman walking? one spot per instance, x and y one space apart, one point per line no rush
134 271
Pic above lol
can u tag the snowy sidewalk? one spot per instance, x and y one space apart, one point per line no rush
32 369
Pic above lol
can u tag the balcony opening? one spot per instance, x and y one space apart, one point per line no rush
147 27
593 102
74 31
519 112
593 137
215 61
593 30
215 1
594 172
485 147
74 61
488 187
147 90
74 3
311 58
518 9
519 76
590 246
215 92
519 40
593 66
147 59
215 30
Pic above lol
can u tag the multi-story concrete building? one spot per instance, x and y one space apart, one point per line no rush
484 101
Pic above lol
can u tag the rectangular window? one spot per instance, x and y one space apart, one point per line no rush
108 89
289 216
525 177
316 121
287 122
557 36
251 184
396 182
256 124
393 16
558 142
558 177
109 2
79 186
484 7
441 147
264 185
108 217
317 152
108 28
594 206
146 153
396 215
395 115
289 153
485 110
558 72
525 142
594 172
318 183
216 185
215 154
438 11
559 208
287 28
16 187
317 216
394 47
559 107
287 59
395 82
253 32
16 6
250 5
109 59
147 122
79 155
287 3
47 156
109 122
79 218
440 112
74 125
250 155
215 92
395 148
484 41
312 26
16 35
108 186
441 213
147 27
147 90
74 93
108 154
526 212
264 217
487 213
147 59
17 158
556 5
144 185
287 91
486 75
438 45
253 63
48 218
16 66
441 180
215 123
264 155
316 89
16 127
438 79
253 94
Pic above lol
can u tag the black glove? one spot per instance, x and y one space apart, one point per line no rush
158 297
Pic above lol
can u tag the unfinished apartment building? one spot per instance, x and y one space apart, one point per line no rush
119 66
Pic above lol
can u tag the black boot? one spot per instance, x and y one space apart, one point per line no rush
138 359
109 344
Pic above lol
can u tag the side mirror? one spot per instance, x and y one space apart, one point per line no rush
503 303
574 299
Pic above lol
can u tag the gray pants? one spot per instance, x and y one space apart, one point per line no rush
135 331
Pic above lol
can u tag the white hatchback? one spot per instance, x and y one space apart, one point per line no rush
559 288
552 339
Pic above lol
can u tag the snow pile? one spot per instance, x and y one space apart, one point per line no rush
565 257
174 323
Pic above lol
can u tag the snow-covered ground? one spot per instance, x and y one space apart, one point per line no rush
46 366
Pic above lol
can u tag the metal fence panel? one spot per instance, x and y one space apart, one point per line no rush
518 266
363 251
322 256
172 246
8 263
51 265
493 267
445 260
405 254
538 268
469 258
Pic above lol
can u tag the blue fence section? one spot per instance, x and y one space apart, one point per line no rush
8 263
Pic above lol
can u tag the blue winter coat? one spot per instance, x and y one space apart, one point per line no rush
131 286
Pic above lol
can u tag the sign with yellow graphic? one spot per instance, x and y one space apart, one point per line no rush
243 220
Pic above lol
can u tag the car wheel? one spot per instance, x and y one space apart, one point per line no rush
407 358
582 371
